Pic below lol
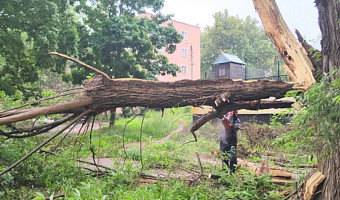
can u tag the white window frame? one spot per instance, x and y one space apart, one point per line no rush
184 69
184 52
185 35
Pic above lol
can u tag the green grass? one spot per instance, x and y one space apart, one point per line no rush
47 175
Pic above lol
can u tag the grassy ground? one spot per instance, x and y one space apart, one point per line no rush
44 175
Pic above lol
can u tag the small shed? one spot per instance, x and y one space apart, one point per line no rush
227 65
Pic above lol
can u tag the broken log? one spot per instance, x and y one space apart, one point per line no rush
102 94
53 109
294 166
154 94
299 67
250 105
214 176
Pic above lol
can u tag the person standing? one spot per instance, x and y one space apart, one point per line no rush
228 139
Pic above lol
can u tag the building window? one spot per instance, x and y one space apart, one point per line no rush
221 72
184 69
185 35
184 52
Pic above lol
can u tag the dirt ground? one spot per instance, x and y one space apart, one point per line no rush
78 127
187 174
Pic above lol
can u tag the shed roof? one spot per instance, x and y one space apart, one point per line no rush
225 58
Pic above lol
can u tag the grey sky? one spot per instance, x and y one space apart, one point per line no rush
298 14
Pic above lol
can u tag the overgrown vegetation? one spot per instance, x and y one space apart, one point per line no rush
45 175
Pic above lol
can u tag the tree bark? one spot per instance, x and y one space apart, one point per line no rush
135 92
330 167
299 67
329 17
102 94
112 117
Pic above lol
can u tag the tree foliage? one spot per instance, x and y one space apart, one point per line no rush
28 30
120 43
243 38
320 113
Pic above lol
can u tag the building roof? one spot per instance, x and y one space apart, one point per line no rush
225 58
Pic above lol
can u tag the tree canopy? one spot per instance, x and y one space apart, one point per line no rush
109 35
28 30
122 44
243 38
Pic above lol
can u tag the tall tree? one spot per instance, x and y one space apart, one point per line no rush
123 45
329 161
243 38
28 30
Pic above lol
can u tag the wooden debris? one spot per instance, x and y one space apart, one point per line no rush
278 176
312 183
264 167
294 166
285 192
214 176
280 173
280 180
144 180
199 162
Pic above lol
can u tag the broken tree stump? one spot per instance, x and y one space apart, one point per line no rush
299 67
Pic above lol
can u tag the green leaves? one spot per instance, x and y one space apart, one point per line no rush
243 38
319 117
122 44
29 30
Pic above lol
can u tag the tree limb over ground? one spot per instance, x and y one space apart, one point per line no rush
102 93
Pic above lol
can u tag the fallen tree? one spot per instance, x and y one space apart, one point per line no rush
102 94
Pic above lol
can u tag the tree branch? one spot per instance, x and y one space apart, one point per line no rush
45 142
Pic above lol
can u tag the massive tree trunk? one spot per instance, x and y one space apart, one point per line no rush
299 67
329 21
102 94
153 94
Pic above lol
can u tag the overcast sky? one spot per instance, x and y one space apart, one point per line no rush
298 14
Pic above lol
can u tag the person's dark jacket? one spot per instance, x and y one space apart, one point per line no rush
229 135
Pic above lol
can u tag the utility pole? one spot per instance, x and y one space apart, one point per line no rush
278 71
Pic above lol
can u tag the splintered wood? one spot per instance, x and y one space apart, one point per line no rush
279 176
312 183
299 67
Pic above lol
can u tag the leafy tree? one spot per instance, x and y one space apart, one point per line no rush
120 43
28 30
243 38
